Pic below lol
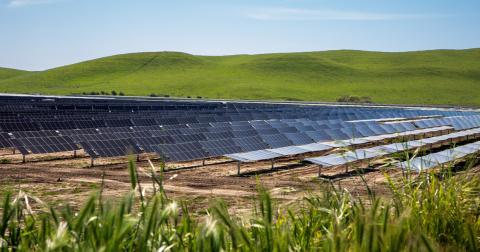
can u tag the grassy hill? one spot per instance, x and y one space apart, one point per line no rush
424 77
6 73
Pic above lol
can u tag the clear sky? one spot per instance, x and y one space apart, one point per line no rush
41 34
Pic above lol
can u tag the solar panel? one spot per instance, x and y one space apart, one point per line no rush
318 136
315 147
115 130
110 148
73 132
41 145
250 143
287 130
56 125
144 142
276 141
337 134
267 131
93 137
180 152
417 164
189 138
144 122
245 133
5 141
331 160
299 138
30 134
362 154
220 147
254 156
18 126
289 150
171 122
242 127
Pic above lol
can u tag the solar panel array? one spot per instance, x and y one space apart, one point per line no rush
189 130
437 159
382 150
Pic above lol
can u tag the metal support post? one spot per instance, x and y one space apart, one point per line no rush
238 167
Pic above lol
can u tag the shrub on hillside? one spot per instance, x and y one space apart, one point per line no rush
355 99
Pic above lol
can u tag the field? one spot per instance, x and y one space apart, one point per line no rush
424 77
106 174
224 211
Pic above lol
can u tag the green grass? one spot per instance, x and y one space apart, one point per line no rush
6 73
425 213
423 77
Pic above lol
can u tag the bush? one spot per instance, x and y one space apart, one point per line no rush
5 161
355 99
121 94
166 95
153 95
114 92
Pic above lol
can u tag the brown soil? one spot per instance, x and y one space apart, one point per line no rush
59 179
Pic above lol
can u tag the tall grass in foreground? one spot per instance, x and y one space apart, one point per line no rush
426 213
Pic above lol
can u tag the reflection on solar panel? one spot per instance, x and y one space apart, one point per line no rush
331 160
362 154
289 150
254 156
313 147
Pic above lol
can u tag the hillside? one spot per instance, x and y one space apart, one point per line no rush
6 73
424 77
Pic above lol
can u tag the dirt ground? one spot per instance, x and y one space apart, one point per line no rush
61 178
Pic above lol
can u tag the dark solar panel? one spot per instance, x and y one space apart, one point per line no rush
269 131
18 126
250 143
110 148
276 140
299 138
218 135
318 136
40 145
5 141
180 152
220 147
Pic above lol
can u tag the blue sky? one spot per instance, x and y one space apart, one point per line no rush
41 34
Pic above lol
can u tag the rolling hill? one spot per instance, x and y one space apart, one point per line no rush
422 77
6 73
